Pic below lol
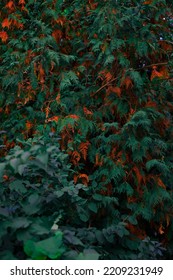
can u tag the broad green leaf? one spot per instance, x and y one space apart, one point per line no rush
88 254
15 163
18 186
20 222
93 207
51 247
24 157
43 158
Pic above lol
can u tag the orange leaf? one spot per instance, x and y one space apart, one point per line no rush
151 103
18 24
105 74
86 111
29 125
116 90
85 179
3 36
41 74
75 177
103 47
53 130
164 72
127 82
160 183
167 220
84 176
93 5
155 73
57 34
47 110
73 117
75 157
55 119
148 2
166 46
7 109
58 98
161 229
21 2
98 162
6 23
136 231
131 199
138 175
108 76
10 5
61 20
83 148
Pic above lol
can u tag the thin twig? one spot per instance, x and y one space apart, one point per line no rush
154 64
114 79
130 69
167 41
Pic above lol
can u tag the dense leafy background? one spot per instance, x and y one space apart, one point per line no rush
86 129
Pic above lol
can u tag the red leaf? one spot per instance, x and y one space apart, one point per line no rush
3 36
21 2
6 23
57 34
127 82
155 73
86 111
55 119
10 5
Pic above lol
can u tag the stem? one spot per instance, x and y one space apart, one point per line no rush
114 79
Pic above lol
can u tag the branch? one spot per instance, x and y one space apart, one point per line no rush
130 69
167 41
154 64
114 79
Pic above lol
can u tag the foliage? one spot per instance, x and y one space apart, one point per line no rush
97 75
42 211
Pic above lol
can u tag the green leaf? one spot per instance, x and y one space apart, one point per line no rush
32 205
98 197
88 254
43 158
30 250
93 207
83 214
59 193
24 157
7 255
133 220
39 227
33 198
126 188
21 168
18 186
51 247
15 163
20 222
72 239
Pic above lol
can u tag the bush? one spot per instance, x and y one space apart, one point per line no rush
44 215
